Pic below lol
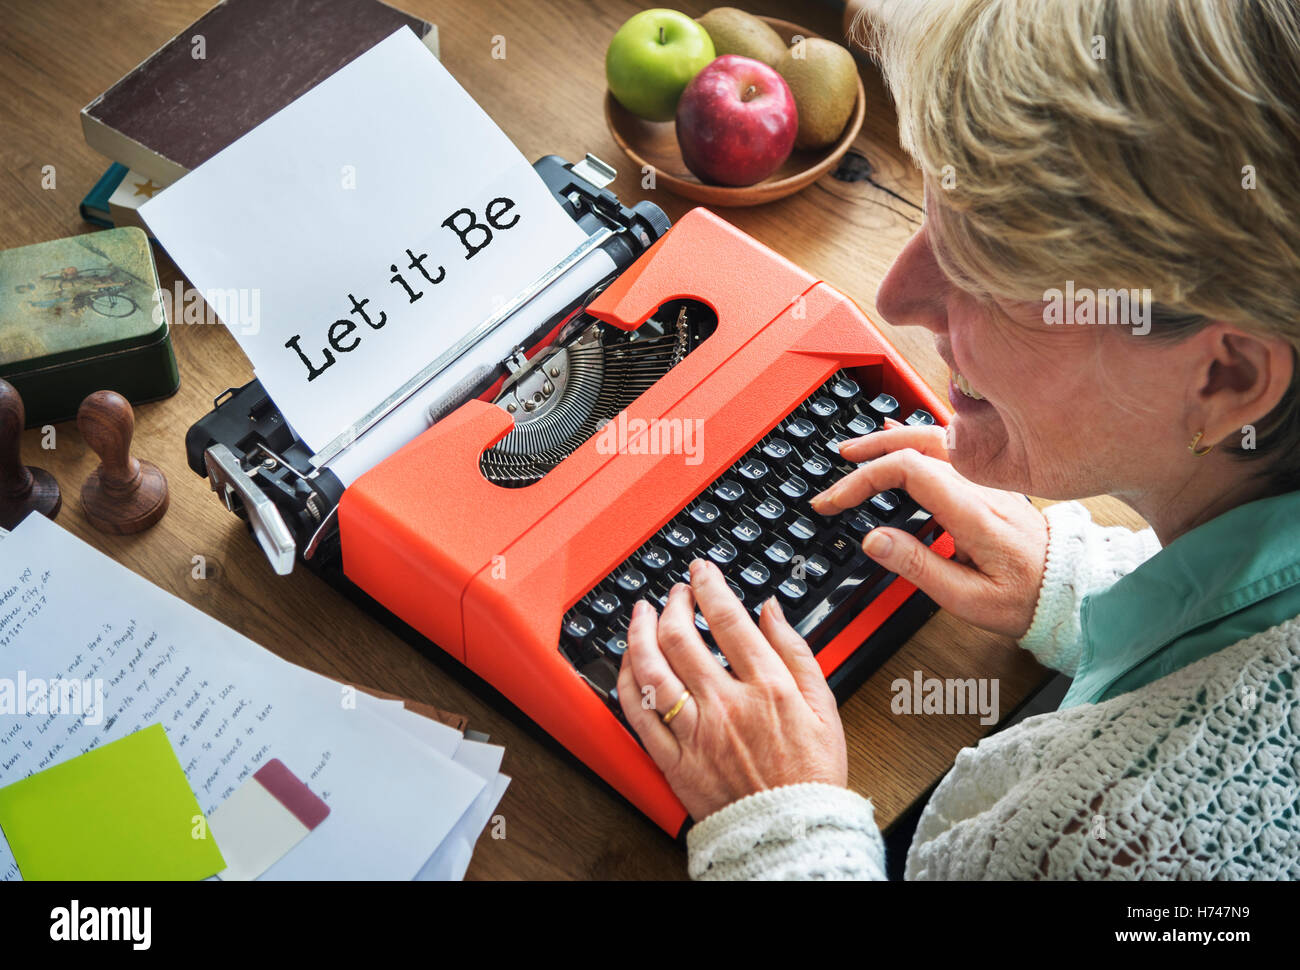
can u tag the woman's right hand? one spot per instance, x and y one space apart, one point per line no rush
1001 539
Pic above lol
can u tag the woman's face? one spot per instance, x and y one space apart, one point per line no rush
1068 411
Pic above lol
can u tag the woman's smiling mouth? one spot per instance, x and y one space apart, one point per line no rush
962 396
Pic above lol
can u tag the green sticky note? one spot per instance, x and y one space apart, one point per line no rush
121 811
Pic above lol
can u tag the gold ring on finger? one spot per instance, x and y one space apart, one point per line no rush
676 709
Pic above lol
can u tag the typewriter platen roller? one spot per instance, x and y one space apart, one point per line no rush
263 472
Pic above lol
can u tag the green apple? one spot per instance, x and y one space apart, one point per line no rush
652 58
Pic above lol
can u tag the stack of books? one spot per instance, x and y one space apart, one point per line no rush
216 80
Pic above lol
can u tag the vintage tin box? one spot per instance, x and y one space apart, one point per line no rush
79 315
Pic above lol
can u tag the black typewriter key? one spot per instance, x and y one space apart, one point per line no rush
845 387
841 548
577 626
780 552
862 425
886 502
755 575
681 536
777 449
884 406
816 568
753 469
833 445
722 552
606 604
792 589
800 428
616 645
823 409
770 509
701 623
720 657
817 466
861 522
656 558
705 513
801 529
662 600
729 491
794 487
631 580
919 418
740 593
746 530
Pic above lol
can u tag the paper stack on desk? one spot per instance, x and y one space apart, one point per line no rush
407 796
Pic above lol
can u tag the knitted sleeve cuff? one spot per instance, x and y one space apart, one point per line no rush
1082 557
807 831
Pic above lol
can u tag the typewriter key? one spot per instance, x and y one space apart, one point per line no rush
845 388
780 552
862 425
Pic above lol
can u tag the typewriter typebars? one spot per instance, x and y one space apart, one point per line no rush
689 406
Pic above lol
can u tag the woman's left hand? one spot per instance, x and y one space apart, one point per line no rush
774 723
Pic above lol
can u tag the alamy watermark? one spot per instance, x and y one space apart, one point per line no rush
1084 306
239 308
63 696
652 436
930 695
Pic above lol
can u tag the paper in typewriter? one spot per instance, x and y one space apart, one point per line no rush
362 230
126 655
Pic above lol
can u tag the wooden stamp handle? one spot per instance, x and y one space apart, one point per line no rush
107 422
15 479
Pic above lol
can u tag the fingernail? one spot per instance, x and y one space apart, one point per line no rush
774 608
678 588
822 498
697 567
878 544
639 608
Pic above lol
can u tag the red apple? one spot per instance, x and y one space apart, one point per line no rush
736 121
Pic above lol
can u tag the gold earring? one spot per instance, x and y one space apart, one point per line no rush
1202 452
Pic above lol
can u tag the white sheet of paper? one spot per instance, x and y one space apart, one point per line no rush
332 197
451 859
442 738
227 705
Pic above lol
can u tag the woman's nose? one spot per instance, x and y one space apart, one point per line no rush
914 291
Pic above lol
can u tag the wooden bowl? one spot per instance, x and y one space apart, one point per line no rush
654 144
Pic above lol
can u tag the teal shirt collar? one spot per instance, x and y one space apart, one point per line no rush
1233 577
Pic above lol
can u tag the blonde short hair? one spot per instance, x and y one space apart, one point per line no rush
1115 143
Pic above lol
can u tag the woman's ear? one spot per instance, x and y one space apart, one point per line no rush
1241 376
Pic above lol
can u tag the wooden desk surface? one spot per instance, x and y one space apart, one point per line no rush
546 94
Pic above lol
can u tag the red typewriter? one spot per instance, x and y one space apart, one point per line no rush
690 409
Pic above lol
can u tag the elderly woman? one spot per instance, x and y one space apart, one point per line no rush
1067 146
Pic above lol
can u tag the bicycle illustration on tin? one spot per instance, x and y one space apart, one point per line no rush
98 288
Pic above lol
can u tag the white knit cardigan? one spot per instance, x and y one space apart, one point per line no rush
1193 776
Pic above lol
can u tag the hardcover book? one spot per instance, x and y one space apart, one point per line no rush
229 71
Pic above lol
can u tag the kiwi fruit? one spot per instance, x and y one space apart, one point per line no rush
736 32
823 78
